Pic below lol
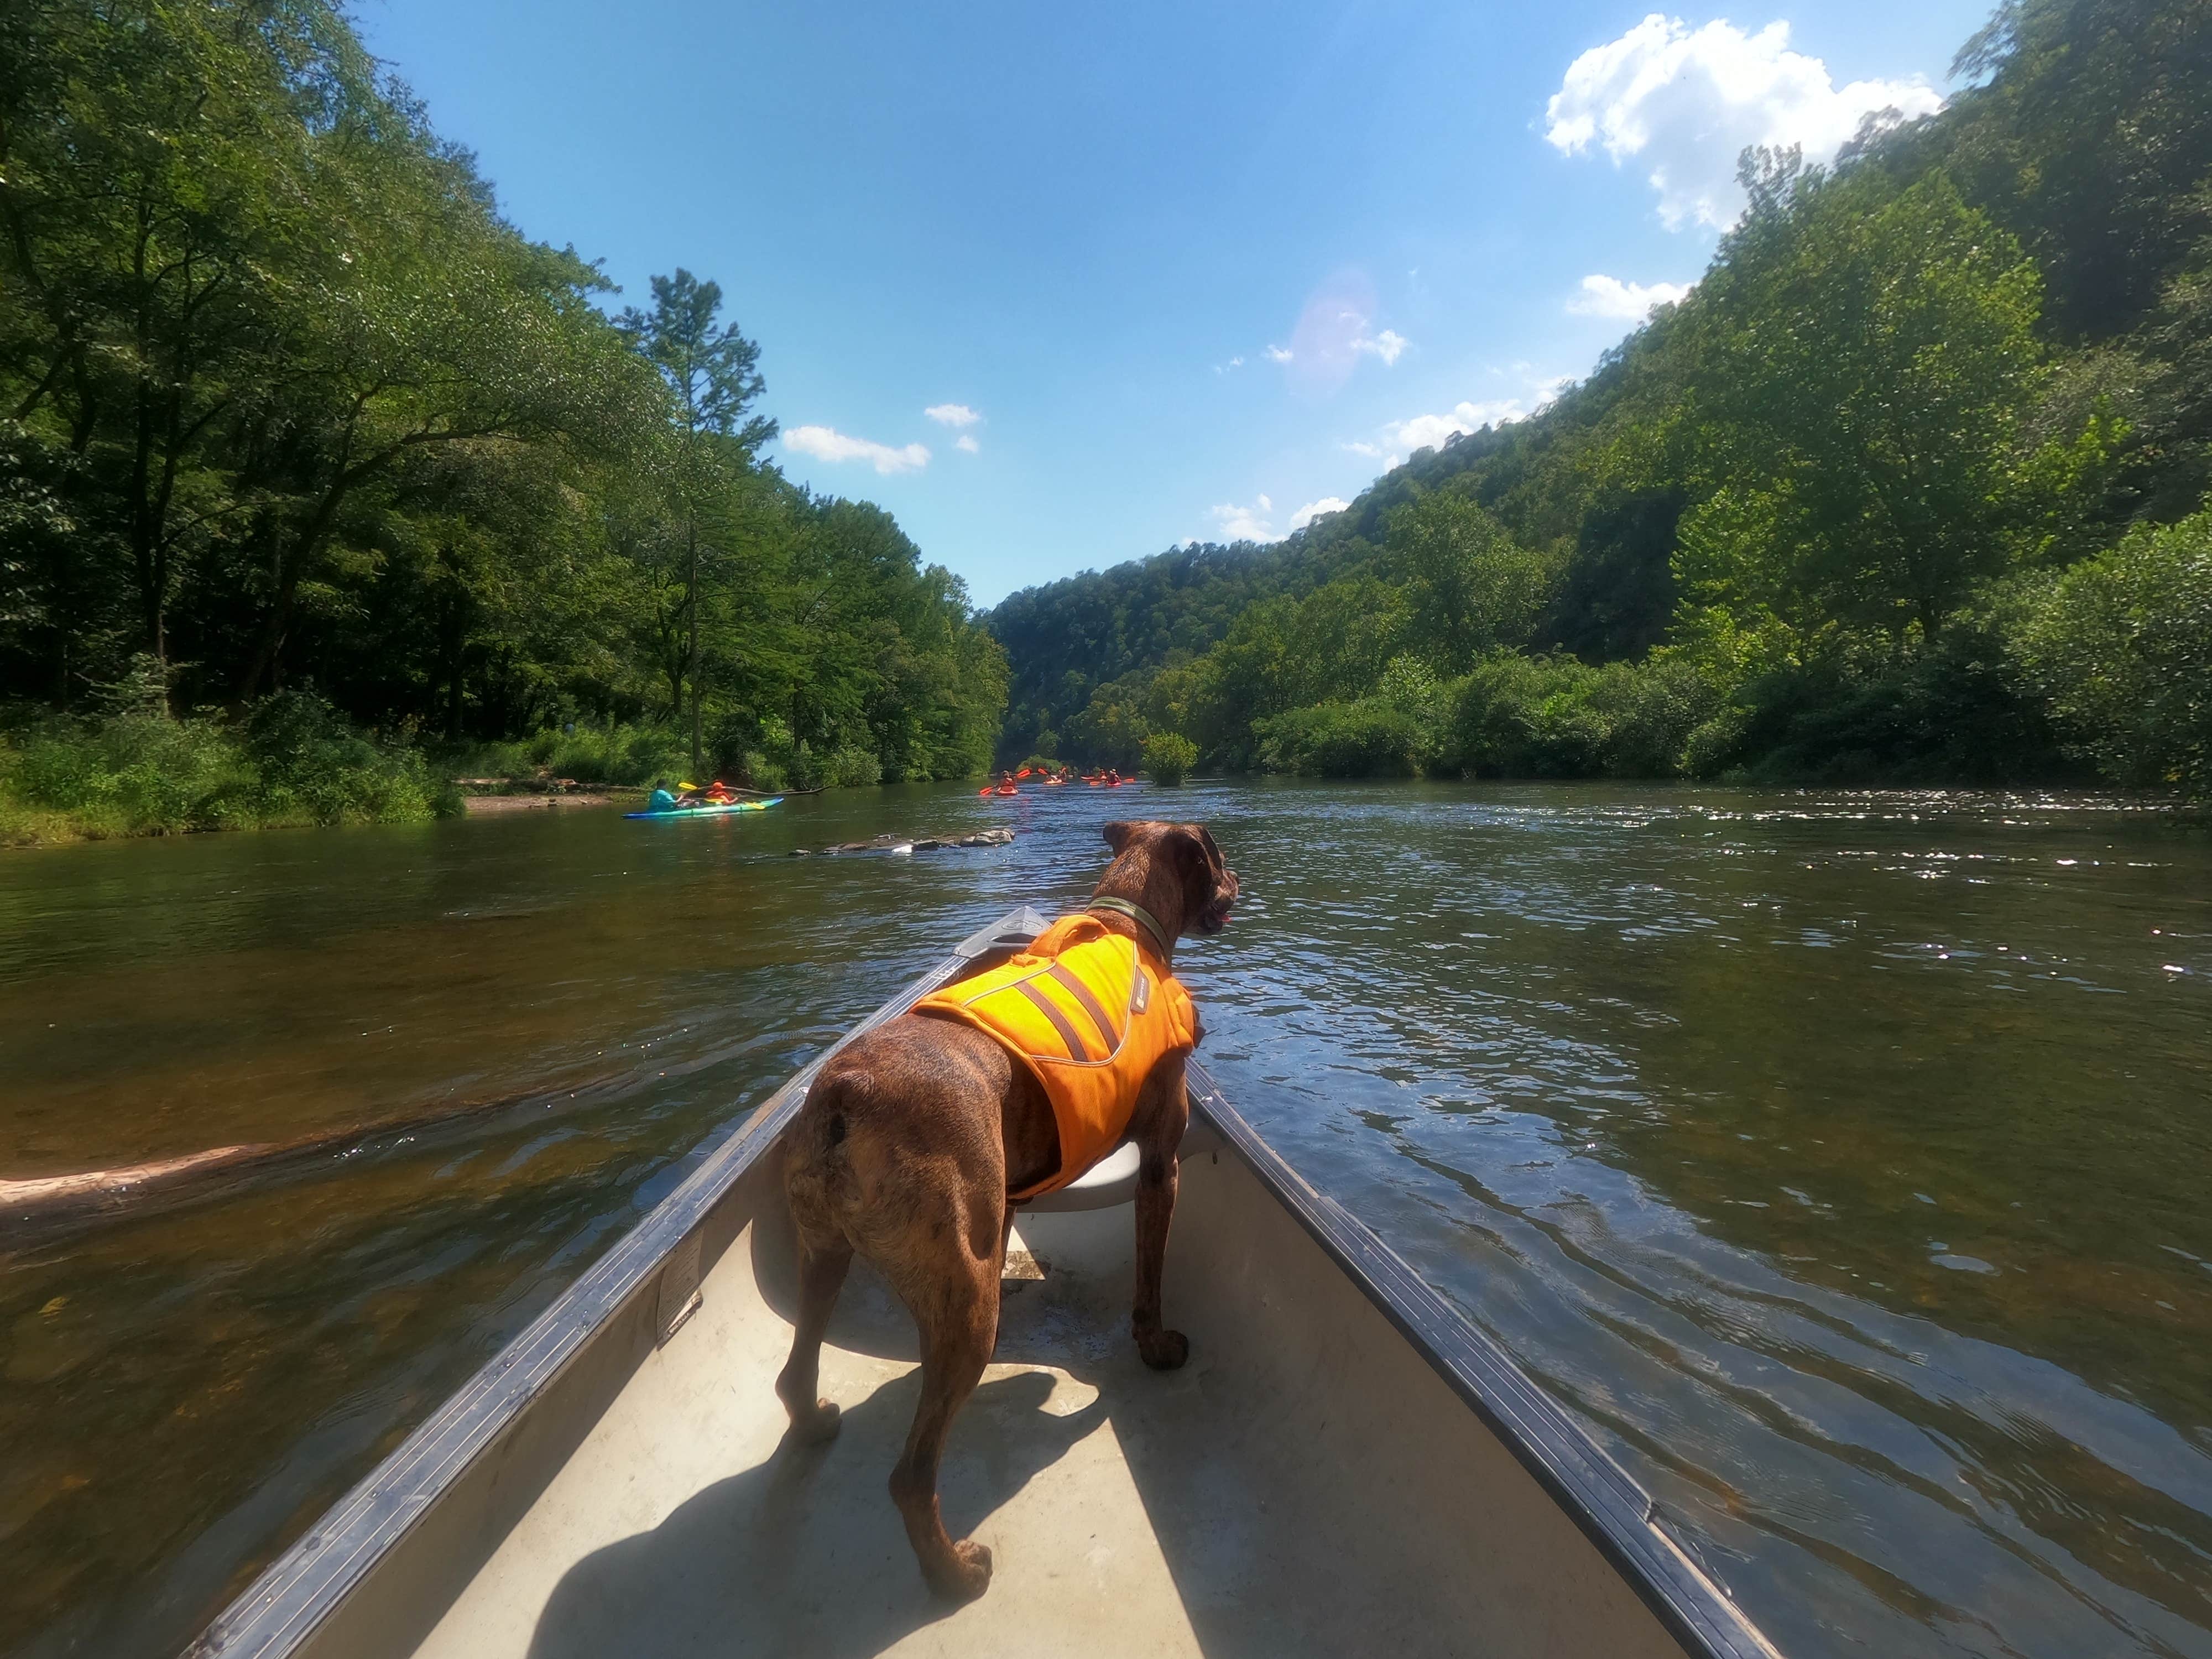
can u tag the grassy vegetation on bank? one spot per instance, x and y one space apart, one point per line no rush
141 772
292 761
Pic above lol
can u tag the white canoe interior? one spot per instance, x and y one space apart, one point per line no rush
1342 1467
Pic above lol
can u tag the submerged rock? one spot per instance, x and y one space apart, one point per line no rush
909 843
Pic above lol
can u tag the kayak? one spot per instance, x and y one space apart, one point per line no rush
1346 1465
722 810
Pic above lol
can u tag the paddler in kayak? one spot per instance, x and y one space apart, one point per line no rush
661 800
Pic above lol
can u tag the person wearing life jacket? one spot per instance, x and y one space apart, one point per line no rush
1090 1012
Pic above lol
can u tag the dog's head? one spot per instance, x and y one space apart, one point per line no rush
1178 859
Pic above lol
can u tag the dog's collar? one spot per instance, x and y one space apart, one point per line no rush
1143 918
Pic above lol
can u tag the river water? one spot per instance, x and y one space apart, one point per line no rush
1841 1159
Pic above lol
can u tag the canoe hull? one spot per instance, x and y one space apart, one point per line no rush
1344 1463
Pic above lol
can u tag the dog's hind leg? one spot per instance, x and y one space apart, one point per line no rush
824 1256
1162 1115
956 1307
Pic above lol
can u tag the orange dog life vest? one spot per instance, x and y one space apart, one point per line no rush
1090 1013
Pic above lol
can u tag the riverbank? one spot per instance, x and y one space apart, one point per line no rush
492 805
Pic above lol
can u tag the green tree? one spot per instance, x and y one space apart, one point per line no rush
713 373
1470 588
1866 361
2122 646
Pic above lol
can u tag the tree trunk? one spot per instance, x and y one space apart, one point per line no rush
691 536
453 644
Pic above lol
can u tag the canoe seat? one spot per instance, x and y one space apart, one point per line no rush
1111 1181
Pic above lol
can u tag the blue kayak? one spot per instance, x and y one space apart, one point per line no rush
722 810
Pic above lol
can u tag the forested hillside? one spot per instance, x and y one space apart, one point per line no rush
1910 487
287 408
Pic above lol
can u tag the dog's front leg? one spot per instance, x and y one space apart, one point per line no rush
1159 1126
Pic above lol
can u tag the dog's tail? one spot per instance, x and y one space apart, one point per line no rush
817 1160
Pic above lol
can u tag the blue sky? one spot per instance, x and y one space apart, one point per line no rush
1190 270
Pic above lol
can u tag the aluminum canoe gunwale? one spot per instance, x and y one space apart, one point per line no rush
295 1593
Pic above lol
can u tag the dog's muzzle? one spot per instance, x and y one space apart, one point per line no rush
1215 916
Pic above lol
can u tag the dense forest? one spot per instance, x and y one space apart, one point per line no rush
312 465
300 441
1910 487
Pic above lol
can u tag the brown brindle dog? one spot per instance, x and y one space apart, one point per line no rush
906 1150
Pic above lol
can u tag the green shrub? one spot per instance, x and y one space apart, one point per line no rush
618 757
761 752
1168 756
315 765
1651 710
1556 717
850 768
2123 650
1370 738
1865 709
1490 729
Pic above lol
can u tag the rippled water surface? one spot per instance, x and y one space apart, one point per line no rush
1841 1160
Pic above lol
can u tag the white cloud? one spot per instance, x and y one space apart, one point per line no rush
1427 431
1246 524
1687 102
956 415
828 444
1278 353
1631 302
1373 452
967 441
1387 345
1312 510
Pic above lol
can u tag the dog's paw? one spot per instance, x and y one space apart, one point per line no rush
967 1574
1163 1351
819 1426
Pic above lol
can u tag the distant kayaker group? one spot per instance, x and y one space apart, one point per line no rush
1010 783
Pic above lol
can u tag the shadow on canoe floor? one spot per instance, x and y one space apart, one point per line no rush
805 1553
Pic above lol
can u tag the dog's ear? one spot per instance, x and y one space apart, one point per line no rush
1117 835
1200 858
